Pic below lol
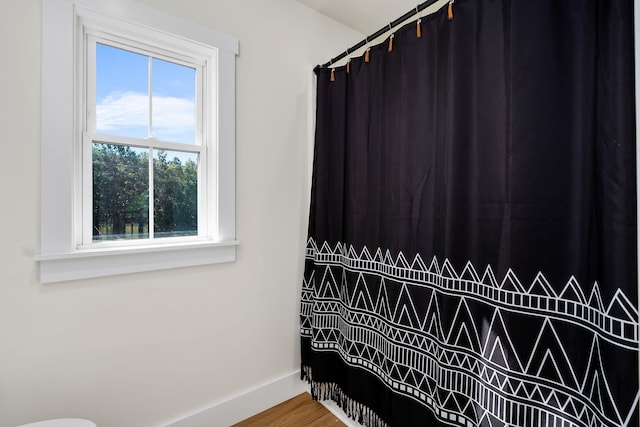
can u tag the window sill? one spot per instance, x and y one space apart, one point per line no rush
88 263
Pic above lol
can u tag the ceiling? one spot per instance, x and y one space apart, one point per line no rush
365 16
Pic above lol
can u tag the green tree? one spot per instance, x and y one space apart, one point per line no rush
175 196
120 189
121 193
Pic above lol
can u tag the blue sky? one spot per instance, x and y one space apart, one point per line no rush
123 102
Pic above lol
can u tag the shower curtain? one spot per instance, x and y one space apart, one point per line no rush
471 258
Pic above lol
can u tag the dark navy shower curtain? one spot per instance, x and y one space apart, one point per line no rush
471 258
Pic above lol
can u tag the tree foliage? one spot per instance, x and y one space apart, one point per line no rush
121 194
175 195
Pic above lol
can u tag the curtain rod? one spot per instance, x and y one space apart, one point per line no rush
378 33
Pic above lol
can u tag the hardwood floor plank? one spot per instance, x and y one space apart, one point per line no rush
327 420
298 411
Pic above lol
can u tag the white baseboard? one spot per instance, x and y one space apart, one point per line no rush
246 404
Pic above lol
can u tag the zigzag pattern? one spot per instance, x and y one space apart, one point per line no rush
364 308
618 322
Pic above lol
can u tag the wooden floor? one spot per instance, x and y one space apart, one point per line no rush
295 412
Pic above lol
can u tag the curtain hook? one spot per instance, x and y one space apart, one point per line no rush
366 52
418 26
450 10
348 61
390 39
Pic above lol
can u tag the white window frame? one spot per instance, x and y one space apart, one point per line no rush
201 59
64 255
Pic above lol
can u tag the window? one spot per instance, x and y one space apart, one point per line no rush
137 141
143 143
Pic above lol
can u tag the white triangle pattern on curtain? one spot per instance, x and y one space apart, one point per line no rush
465 376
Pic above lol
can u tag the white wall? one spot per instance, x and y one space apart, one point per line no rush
145 349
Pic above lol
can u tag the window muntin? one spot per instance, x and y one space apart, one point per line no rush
144 118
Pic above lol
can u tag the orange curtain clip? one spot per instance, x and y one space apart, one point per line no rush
390 43
418 22
450 11
348 66
333 75
366 55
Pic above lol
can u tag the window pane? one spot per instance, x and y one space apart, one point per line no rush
175 193
122 92
173 104
120 192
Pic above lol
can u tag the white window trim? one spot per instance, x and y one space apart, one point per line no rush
61 258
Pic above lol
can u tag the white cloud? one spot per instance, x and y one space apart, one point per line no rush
172 116
122 110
